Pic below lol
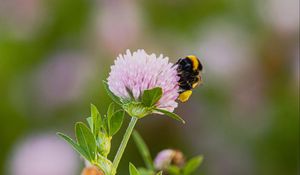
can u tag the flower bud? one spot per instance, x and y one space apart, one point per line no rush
168 157
91 170
104 144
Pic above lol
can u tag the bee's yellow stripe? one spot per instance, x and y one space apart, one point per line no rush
194 61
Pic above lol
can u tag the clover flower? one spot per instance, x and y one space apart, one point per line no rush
133 73
141 84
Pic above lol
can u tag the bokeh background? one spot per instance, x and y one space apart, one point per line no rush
54 55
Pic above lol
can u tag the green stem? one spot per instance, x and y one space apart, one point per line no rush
124 142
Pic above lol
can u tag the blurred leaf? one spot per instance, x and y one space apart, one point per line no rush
192 165
115 122
159 173
173 170
188 14
110 94
68 19
86 140
75 146
151 96
144 171
133 170
143 149
170 114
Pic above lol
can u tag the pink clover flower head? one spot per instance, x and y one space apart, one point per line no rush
132 73
168 157
163 159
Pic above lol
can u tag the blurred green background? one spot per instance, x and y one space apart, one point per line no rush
54 55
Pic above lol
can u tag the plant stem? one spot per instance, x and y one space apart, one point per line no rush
124 142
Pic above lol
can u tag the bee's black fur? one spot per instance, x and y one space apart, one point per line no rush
188 75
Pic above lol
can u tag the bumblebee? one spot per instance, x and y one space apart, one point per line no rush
189 69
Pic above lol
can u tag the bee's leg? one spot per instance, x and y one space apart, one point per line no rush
184 96
177 62
196 82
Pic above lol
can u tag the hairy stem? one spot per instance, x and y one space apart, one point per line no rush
124 142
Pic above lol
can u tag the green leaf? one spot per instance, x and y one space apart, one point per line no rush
110 110
90 122
159 173
110 94
170 114
115 122
75 146
143 149
133 170
105 125
86 140
192 165
173 170
151 96
96 119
